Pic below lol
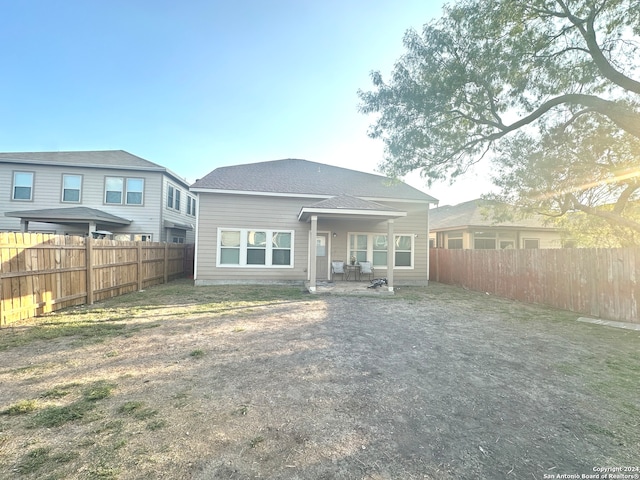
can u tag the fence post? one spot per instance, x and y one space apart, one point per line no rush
140 279
166 263
89 261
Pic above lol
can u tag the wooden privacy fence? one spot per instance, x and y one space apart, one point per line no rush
603 283
41 273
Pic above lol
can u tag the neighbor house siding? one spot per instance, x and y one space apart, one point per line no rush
47 193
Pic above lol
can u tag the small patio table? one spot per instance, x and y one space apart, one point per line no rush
353 269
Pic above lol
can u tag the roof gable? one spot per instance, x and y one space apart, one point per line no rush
302 177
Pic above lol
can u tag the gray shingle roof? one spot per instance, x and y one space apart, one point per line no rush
93 159
302 177
474 213
351 203
71 214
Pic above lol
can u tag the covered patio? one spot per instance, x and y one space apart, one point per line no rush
349 208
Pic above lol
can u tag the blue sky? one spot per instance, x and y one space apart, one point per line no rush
195 85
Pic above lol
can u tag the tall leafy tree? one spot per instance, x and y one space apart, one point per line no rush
548 89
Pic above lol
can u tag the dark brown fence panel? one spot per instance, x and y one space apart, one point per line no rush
603 283
42 273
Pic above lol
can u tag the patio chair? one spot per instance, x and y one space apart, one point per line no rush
366 269
337 268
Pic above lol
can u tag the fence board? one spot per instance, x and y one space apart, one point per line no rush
41 273
603 283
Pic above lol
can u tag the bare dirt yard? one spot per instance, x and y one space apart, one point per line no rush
179 382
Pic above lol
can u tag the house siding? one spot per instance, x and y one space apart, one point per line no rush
547 238
218 210
47 193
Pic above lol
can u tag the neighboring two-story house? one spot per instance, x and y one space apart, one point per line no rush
79 193
469 225
287 220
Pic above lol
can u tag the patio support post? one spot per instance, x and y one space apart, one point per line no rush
25 225
391 253
312 253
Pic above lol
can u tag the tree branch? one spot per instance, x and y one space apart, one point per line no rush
610 217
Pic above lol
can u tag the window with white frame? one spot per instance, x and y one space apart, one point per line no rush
135 191
404 251
173 197
170 195
22 186
255 248
71 188
379 250
374 247
116 193
114 188
531 243
191 206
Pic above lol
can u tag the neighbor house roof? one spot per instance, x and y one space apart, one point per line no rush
295 177
69 215
116 159
475 213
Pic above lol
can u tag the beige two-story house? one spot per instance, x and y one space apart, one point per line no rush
110 192
287 220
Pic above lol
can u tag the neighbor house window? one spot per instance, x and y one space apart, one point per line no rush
531 243
484 240
132 237
252 248
114 187
22 186
191 206
135 190
71 188
115 192
170 195
374 248
176 204
454 241
173 197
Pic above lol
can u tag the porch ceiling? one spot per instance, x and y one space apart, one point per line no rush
345 206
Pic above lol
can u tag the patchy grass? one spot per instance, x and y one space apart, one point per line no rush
20 408
197 353
57 415
348 373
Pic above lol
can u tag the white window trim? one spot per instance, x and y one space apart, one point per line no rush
393 249
243 248
126 191
13 186
191 206
176 192
62 200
